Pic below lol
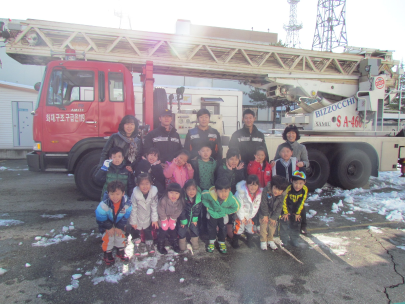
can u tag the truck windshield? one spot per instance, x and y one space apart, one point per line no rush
40 91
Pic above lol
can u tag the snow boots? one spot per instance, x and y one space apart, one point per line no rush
122 255
249 237
149 247
194 243
161 247
235 241
108 258
175 245
182 244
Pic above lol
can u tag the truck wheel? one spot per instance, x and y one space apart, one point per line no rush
353 169
84 173
318 171
159 104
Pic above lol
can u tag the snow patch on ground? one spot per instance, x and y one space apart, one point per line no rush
10 222
53 238
335 245
52 216
2 271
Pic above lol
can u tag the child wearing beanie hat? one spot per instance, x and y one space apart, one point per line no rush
169 209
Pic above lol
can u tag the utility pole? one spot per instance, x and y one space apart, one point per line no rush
293 38
330 30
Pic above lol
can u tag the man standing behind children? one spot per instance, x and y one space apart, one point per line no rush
220 202
295 197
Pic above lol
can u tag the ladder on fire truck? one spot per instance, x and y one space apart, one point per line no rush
38 42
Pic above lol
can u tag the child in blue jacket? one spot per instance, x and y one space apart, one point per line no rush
112 216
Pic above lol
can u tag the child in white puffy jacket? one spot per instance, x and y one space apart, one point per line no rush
249 195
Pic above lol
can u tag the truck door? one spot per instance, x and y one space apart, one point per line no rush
71 112
112 106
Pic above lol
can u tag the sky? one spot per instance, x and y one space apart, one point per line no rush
371 24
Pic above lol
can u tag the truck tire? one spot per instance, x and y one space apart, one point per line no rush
159 104
318 171
353 169
84 173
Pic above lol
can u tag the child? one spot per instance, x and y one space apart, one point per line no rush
114 169
270 210
232 169
204 167
169 209
260 167
144 212
220 202
249 195
295 197
179 171
150 163
287 164
189 217
112 215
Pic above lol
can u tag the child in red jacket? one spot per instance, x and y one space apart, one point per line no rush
260 167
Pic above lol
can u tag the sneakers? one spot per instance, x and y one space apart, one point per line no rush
108 258
272 245
303 230
136 250
210 248
263 246
150 248
122 255
222 248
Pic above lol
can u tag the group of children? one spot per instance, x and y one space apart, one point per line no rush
198 195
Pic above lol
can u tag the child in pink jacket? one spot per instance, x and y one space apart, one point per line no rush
179 171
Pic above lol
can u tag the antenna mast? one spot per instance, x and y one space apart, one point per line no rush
293 38
330 30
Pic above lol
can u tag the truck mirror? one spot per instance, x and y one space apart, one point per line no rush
37 86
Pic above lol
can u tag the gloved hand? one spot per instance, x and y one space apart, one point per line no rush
165 224
172 224
106 165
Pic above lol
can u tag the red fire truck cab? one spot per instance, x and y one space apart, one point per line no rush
79 106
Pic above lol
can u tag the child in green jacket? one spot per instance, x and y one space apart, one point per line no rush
220 202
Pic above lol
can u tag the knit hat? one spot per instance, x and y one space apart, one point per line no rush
173 187
202 112
298 175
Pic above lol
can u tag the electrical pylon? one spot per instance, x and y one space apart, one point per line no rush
293 37
330 30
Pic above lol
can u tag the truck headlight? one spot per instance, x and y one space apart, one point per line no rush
37 146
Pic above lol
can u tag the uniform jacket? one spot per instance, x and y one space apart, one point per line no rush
167 142
116 141
214 208
263 173
247 143
196 176
177 174
144 211
166 208
294 201
155 171
195 137
271 206
280 170
234 175
107 219
248 207
299 152
191 210
115 173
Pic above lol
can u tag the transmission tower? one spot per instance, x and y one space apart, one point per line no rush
330 30
293 37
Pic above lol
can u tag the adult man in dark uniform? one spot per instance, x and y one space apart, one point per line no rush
203 134
164 138
248 138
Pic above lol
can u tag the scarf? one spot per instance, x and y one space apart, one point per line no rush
133 148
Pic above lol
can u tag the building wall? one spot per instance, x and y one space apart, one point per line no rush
7 96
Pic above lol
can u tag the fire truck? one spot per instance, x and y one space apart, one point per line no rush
87 88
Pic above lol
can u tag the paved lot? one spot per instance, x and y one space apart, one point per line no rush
344 261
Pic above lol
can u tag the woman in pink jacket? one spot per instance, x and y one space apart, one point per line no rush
179 171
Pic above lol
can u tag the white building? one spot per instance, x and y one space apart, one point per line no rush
16 104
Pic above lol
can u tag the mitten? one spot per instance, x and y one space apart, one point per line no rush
172 224
106 165
165 224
